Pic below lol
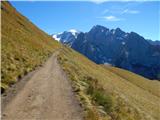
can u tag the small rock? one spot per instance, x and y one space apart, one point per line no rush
4 114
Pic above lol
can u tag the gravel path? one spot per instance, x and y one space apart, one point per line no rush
46 95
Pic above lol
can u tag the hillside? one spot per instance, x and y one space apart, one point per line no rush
111 93
138 80
104 92
24 46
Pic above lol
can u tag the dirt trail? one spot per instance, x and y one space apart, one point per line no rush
47 95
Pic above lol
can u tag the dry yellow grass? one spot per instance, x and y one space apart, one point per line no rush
133 97
144 83
24 46
105 93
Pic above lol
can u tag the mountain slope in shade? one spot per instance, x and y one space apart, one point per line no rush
124 50
157 42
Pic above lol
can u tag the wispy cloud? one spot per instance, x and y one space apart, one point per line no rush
98 1
127 11
105 11
102 1
120 11
111 18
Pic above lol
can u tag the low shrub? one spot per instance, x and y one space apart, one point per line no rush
99 96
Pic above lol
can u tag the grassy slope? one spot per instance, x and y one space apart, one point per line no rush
103 93
24 46
106 95
148 85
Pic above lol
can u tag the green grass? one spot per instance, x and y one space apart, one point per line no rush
23 46
106 95
98 95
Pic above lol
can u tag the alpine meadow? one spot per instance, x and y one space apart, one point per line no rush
99 72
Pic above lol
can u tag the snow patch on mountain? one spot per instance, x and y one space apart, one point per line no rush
113 32
123 43
66 37
56 37
74 32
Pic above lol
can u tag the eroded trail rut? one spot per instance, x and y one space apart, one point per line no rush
46 96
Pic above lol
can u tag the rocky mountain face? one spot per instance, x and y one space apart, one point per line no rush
118 48
67 37
154 42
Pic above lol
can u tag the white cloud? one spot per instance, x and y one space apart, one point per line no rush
120 11
129 11
112 18
95 1
102 1
98 1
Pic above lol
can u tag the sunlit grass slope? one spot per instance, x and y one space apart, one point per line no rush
24 46
110 93
106 93
148 85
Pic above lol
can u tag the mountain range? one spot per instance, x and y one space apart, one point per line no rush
156 42
129 51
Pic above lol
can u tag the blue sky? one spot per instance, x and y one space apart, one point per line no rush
54 16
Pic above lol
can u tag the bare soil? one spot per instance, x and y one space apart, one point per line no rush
45 94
